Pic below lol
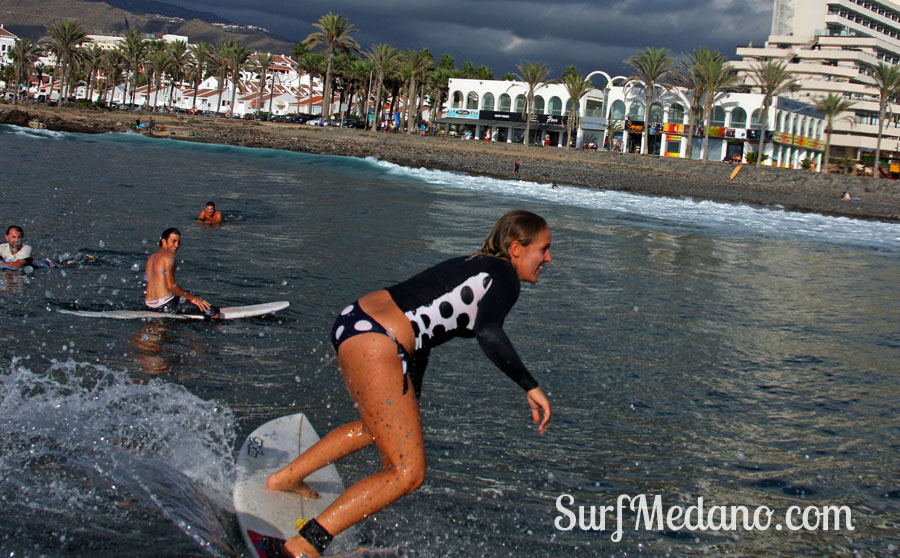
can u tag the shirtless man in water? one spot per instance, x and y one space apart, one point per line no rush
163 293
210 214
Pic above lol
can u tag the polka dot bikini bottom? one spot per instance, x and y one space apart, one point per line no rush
353 321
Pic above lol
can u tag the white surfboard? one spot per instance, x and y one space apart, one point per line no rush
267 517
227 313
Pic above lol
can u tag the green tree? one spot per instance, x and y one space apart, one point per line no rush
63 41
261 67
237 59
772 78
199 55
887 84
717 76
832 106
112 64
534 75
179 56
23 55
134 50
652 67
385 59
413 67
219 63
92 58
313 65
687 75
334 34
577 87
159 62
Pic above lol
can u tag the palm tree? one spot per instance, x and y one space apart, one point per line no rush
652 66
887 82
179 58
831 106
312 64
160 62
199 61
219 61
63 41
23 54
134 51
717 76
688 76
533 74
92 58
772 78
385 60
334 34
238 57
263 61
577 87
413 67
112 65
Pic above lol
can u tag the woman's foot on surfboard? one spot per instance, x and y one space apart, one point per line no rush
299 547
275 482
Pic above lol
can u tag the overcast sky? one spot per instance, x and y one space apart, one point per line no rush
592 35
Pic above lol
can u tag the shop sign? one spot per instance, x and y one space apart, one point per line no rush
502 116
549 120
462 113
593 123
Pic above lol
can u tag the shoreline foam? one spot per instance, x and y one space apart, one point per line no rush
793 190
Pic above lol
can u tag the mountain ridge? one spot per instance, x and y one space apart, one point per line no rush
29 19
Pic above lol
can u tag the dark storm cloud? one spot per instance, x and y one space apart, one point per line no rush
595 35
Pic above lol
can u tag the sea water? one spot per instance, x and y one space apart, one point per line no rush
696 351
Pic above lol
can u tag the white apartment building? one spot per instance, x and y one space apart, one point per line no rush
7 42
491 110
830 46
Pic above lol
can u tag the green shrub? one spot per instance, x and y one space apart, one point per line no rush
751 157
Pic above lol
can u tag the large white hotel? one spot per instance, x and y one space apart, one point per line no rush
830 46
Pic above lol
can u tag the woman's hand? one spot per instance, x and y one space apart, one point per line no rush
539 402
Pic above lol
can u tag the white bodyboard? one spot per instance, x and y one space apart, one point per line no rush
227 313
267 517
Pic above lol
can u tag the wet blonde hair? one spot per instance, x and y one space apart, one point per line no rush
518 224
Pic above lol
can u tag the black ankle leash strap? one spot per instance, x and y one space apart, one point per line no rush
315 535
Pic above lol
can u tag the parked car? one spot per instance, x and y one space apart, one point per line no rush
279 118
319 122
249 116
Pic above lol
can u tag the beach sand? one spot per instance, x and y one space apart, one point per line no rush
794 190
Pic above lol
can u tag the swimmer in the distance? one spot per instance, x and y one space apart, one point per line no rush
163 293
210 214
383 341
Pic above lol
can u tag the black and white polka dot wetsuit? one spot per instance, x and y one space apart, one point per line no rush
463 297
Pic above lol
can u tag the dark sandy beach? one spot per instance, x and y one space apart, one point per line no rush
791 189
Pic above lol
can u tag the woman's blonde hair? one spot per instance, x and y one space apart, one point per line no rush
518 224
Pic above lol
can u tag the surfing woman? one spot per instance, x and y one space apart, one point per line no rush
383 341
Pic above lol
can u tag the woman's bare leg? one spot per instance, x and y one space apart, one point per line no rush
338 443
374 377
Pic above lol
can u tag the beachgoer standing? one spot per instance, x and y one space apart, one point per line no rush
516 168
383 341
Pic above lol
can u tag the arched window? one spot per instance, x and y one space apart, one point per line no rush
538 104
754 120
636 112
505 103
676 114
472 101
717 118
738 118
457 100
617 111
656 113
556 106
488 102
520 103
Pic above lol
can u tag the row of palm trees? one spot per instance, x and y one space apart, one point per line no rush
412 75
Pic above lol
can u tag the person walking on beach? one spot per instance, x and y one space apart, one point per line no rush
516 168
383 341
163 292
14 253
